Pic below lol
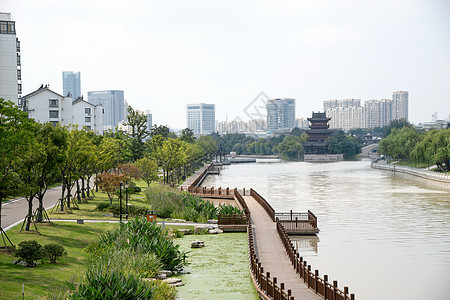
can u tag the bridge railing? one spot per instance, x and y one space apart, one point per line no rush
232 219
413 171
267 207
267 287
312 279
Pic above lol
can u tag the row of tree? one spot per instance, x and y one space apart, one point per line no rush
34 156
407 143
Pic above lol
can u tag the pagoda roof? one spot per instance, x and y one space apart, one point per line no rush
319 130
319 116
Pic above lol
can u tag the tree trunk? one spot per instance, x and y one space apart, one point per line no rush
78 191
63 189
69 188
30 212
83 194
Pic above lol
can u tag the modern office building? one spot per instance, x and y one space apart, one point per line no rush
45 105
71 84
280 114
400 105
114 106
10 65
201 118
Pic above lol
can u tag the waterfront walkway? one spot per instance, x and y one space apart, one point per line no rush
272 253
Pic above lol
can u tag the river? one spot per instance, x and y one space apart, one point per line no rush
384 235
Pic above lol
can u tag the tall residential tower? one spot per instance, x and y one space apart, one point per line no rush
400 105
10 66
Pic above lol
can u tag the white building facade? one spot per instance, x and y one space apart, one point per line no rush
45 105
10 64
280 114
114 105
201 118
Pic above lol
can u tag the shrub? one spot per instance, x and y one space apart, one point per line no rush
142 237
29 252
177 233
112 284
53 251
228 209
102 206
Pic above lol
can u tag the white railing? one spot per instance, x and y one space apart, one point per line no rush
413 171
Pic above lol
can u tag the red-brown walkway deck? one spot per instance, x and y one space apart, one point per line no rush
272 254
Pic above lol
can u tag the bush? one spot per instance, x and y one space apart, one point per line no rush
228 209
142 237
101 283
102 206
53 251
29 252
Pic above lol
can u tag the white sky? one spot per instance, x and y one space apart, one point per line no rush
166 54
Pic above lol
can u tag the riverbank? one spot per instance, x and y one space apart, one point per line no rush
426 174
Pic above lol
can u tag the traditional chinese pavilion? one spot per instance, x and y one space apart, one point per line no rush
318 133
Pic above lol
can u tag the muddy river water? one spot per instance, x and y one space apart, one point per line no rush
384 235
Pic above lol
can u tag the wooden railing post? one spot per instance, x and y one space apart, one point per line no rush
316 275
345 292
325 280
335 286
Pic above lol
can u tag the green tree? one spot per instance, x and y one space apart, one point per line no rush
209 144
15 137
400 143
341 143
161 130
187 135
291 148
398 123
148 168
137 132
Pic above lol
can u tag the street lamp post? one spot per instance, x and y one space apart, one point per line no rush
126 200
120 201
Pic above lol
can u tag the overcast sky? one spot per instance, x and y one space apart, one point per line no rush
166 54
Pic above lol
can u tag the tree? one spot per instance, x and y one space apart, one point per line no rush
187 135
208 143
110 183
15 138
400 143
29 252
291 148
130 171
169 156
161 130
137 132
433 146
398 123
344 144
148 168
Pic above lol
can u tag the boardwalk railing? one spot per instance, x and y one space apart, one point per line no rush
267 207
320 285
413 171
268 288
298 223
212 192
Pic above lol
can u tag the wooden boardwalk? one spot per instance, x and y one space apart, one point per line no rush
272 253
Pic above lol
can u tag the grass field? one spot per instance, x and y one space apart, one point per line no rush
47 278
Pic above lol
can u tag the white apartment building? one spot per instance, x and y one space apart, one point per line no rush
45 105
10 65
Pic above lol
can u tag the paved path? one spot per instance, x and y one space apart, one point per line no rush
272 254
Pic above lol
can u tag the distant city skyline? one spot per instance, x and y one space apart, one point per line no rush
166 55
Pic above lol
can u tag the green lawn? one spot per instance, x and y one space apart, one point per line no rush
47 278
411 164
88 210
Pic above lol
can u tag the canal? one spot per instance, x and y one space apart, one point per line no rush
385 235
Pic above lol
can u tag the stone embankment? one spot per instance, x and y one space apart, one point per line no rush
413 171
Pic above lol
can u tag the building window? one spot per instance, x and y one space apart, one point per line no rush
18 59
53 114
19 88
17 45
54 123
19 74
88 127
53 102
87 110
87 119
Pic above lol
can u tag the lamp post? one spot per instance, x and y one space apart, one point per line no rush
120 201
126 200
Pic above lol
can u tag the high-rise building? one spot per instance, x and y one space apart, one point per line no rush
10 66
400 105
280 114
114 106
149 120
71 84
201 118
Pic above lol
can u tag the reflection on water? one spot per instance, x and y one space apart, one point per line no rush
382 233
306 245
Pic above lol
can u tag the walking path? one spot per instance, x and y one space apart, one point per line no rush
272 254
